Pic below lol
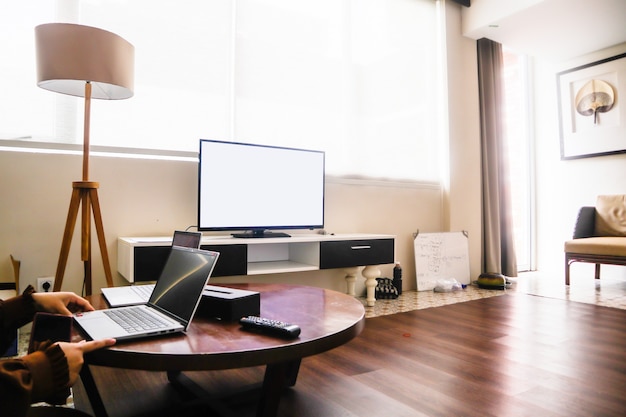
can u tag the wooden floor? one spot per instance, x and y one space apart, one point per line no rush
512 355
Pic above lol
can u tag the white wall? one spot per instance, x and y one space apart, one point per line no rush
481 13
141 197
564 186
465 195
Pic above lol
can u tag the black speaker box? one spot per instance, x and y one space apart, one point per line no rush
229 304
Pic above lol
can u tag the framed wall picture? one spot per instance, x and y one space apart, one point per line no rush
592 111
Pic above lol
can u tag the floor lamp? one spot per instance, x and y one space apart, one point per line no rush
85 62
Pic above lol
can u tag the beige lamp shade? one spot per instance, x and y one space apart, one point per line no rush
69 55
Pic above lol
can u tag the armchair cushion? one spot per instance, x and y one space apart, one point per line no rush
607 246
610 215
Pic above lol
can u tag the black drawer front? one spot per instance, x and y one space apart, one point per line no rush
349 253
150 260
233 260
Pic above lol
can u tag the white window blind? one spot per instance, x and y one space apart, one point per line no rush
357 79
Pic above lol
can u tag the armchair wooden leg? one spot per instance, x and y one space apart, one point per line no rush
566 270
597 271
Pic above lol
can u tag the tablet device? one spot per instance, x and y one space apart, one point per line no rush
52 327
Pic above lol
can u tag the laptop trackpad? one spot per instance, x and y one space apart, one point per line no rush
98 326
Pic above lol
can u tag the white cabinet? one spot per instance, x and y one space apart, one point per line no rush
142 258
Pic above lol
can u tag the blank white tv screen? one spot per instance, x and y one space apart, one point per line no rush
252 187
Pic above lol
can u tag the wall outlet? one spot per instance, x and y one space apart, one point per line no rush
45 284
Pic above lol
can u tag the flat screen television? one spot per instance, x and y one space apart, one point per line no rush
259 188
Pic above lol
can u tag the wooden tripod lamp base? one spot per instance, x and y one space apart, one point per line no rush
85 193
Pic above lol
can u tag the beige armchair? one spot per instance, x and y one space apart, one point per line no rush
599 235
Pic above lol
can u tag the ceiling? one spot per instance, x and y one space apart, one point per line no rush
555 30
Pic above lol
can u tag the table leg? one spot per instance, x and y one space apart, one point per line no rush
91 390
371 272
195 392
278 376
187 387
292 372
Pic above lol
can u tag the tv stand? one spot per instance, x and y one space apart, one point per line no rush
142 258
259 233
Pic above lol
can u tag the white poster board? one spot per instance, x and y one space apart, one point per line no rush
440 256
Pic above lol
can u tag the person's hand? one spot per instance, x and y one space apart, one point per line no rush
74 353
64 303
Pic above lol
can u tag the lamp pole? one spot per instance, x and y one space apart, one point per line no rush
84 192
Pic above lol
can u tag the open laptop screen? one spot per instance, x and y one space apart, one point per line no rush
183 278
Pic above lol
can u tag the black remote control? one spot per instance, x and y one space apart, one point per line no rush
271 327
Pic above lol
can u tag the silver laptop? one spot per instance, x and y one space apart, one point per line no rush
170 308
128 295
140 294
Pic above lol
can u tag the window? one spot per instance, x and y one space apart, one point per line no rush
355 78
518 143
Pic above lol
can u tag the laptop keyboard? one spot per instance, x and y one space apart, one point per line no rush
143 290
134 320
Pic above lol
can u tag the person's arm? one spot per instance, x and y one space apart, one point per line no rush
65 303
40 376
47 374
44 375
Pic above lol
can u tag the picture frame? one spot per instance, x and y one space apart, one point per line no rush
584 132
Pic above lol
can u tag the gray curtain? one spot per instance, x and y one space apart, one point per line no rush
498 243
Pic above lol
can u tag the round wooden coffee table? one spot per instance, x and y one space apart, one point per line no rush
327 318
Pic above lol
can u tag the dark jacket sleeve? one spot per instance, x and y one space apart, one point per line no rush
40 376
14 313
